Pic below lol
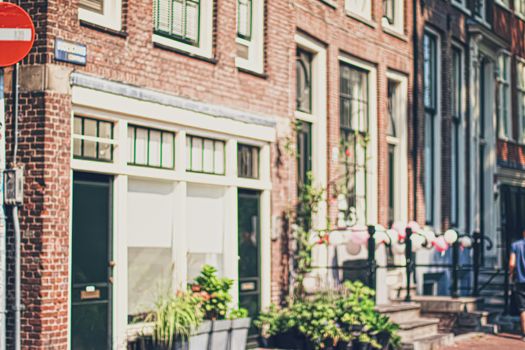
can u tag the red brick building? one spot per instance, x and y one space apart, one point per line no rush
157 136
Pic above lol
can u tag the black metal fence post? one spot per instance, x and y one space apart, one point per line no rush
409 262
455 270
371 257
476 255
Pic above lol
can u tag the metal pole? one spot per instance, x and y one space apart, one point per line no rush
455 270
3 267
476 246
409 262
16 224
371 257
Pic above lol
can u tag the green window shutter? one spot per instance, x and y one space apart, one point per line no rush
93 5
162 15
178 18
244 19
192 21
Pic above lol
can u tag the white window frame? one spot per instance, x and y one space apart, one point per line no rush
461 5
482 17
110 18
360 15
399 18
255 61
436 214
503 4
503 83
318 115
520 93
401 145
460 222
205 47
519 10
122 110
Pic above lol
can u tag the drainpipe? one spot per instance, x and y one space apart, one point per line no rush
16 225
3 259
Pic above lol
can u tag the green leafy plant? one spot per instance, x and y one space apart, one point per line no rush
214 291
238 313
175 316
275 321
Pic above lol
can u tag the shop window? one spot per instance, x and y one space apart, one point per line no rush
205 155
248 161
150 215
151 147
93 139
205 228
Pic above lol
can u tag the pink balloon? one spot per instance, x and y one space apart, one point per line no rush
440 244
360 235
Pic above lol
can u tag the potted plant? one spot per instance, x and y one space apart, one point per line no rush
214 293
175 318
240 326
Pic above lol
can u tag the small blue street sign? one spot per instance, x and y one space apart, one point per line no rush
67 51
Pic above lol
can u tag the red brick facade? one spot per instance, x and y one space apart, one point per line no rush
130 57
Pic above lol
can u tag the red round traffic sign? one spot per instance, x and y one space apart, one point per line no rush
17 34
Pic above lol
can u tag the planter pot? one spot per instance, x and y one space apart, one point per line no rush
201 337
290 340
239 333
358 345
220 332
383 338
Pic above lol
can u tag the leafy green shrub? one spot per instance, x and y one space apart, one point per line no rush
326 319
175 316
214 291
238 313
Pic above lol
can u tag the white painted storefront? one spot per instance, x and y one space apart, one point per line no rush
174 212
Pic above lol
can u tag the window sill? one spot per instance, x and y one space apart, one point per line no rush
395 33
483 22
330 3
211 60
103 29
111 21
520 15
251 72
461 8
503 6
364 20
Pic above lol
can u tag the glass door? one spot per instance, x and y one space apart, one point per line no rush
249 252
91 263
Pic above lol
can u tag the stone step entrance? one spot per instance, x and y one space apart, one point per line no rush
417 332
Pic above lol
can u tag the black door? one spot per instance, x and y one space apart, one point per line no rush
512 218
249 252
91 260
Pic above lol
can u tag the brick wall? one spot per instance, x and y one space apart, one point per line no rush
44 151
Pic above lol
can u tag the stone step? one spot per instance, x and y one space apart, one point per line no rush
418 328
430 342
400 312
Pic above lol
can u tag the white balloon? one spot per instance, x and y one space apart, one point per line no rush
450 236
417 242
398 248
381 237
465 241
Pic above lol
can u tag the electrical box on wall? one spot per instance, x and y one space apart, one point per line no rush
14 186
